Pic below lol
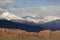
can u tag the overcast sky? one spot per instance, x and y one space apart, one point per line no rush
31 7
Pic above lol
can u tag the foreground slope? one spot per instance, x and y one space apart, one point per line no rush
17 33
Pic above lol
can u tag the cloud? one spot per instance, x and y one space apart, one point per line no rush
37 11
9 1
5 2
55 0
2 10
41 11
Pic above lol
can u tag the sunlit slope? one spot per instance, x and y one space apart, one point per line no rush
18 33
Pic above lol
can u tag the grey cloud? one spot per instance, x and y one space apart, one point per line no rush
4 3
38 11
35 12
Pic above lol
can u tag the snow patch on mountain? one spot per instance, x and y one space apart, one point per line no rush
43 20
9 16
50 18
32 20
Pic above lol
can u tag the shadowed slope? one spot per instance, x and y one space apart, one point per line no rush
30 28
53 25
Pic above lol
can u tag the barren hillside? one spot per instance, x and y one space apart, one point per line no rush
18 32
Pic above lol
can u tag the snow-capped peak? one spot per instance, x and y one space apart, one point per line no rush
9 16
32 19
50 18
43 20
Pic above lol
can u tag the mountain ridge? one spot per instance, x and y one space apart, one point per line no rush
14 25
10 16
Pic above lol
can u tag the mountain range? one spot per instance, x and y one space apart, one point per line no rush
8 20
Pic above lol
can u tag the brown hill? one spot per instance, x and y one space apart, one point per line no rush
18 32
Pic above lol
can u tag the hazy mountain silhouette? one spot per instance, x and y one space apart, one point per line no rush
26 27
52 25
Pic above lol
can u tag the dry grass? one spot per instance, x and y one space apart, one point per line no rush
17 32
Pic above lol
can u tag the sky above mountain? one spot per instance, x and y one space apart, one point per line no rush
36 8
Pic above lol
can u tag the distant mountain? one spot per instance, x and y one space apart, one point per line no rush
8 20
50 18
26 27
52 25
9 16
42 20
14 18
